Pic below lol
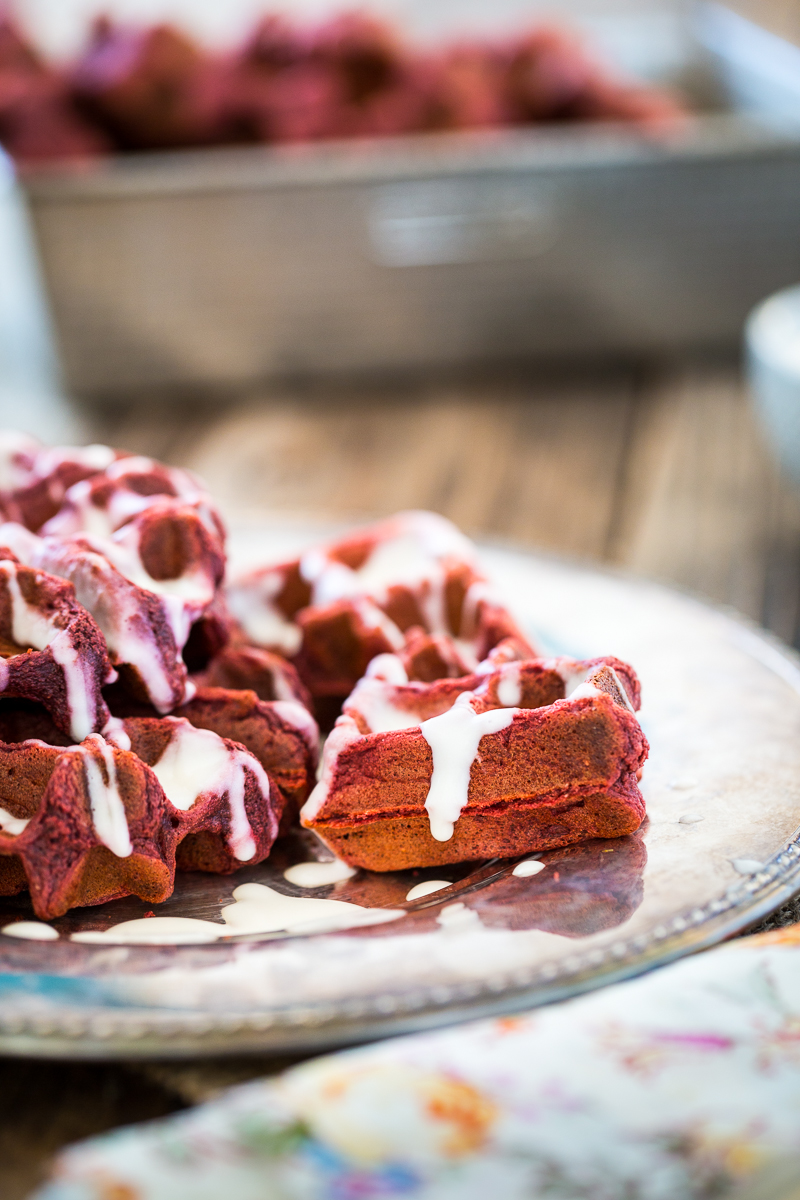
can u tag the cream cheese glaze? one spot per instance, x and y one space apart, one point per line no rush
412 554
108 812
427 888
296 715
30 627
255 609
530 866
33 931
370 700
108 594
81 513
12 825
197 761
318 874
454 737
257 909
509 687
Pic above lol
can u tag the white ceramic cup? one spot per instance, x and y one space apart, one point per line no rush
772 339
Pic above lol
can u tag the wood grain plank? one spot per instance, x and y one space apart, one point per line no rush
535 462
704 503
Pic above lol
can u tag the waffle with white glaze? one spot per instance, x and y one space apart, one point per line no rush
114 762
520 758
408 583
151 717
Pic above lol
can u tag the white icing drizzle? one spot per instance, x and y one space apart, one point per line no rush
138 464
197 761
106 593
531 866
466 653
12 825
4 674
344 732
252 604
572 672
96 457
30 627
509 685
330 580
79 513
184 597
479 592
408 550
21 541
296 715
34 931
454 737
129 637
375 618
257 909
282 688
81 697
260 909
18 454
194 587
403 559
108 811
318 874
431 599
372 700
457 916
155 931
427 888
388 668
115 732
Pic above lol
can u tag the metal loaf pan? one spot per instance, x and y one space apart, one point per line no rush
218 269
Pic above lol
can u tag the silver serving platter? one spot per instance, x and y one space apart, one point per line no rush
720 849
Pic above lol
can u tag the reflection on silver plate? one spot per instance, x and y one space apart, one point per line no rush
719 850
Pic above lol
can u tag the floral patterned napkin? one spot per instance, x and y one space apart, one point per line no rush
682 1083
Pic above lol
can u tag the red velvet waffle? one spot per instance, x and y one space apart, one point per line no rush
281 734
418 775
142 544
51 650
143 547
35 478
254 669
225 808
145 618
349 76
340 605
455 742
90 489
82 825
90 823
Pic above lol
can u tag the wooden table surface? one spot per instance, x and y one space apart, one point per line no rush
659 470
662 471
